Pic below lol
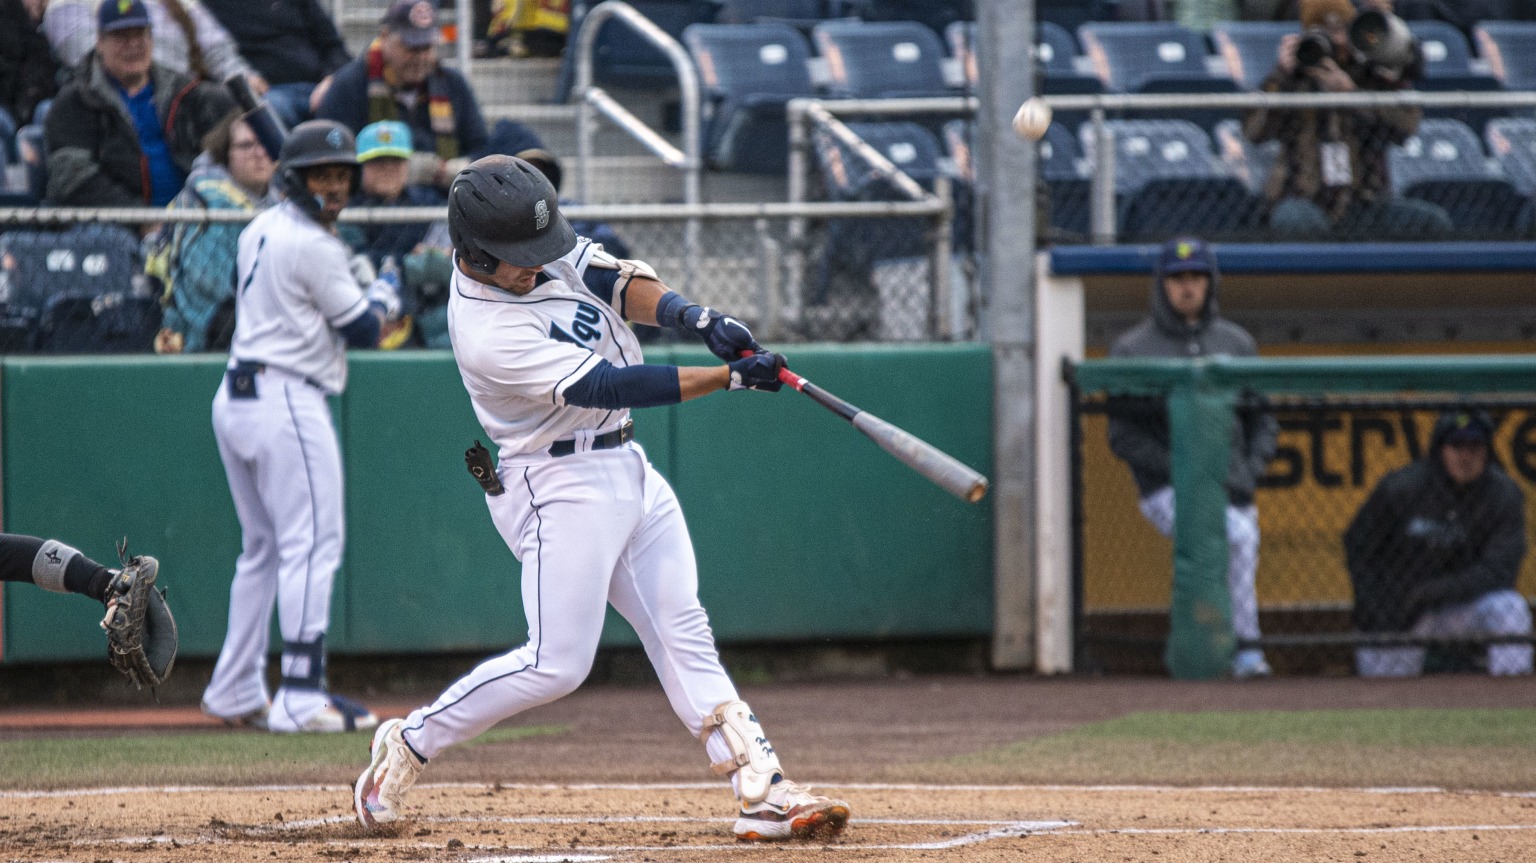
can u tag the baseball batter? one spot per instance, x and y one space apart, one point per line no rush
298 307
538 317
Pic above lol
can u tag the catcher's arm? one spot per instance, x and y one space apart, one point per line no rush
141 633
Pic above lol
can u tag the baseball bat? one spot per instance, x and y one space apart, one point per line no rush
941 468
264 122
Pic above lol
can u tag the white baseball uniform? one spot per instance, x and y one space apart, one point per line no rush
294 289
596 526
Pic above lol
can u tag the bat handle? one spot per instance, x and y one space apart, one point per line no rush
786 377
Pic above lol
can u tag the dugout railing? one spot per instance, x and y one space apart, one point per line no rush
1142 604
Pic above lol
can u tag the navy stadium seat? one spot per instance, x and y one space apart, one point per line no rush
1444 164
80 291
32 150
1246 160
1512 142
1509 47
1066 176
623 58
1444 48
882 59
1125 55
1250 49
1168 179
748 72
1055 48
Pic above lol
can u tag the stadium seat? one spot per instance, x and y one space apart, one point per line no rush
1066 176
1250 49
1444 164
620 56
1168 179
76 291
1509 47
31 149
1126 56
1445 50
881 60
748 72
1055 48
1512 142
1246 160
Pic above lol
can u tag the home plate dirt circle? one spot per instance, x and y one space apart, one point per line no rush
688 822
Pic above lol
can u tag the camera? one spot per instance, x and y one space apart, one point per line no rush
1383 41
1314 47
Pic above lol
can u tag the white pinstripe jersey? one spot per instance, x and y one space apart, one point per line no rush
293 289
518 355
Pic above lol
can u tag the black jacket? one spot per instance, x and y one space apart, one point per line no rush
1138 426
1420 542
94 159
27 67
287 41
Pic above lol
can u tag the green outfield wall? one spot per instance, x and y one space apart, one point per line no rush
804 529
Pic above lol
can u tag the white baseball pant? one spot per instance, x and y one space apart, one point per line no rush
1500 612
591 529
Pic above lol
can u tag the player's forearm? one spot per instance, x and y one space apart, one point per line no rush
695 381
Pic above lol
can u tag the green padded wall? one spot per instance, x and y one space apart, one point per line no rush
804 529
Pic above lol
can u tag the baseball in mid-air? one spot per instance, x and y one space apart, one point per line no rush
1033 118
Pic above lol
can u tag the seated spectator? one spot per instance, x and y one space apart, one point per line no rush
292 44
195 261
384 150
399 78
188 40
1435 552
27 67
126 130
1331 178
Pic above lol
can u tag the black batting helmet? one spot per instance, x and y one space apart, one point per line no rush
310 145
501 208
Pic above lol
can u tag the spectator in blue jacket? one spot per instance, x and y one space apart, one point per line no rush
399 78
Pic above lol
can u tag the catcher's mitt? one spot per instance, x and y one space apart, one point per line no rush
141 633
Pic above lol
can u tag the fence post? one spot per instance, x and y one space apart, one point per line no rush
1200 417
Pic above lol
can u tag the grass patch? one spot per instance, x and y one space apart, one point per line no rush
199 758
1493 749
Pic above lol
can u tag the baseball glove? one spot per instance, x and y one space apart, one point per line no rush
141 633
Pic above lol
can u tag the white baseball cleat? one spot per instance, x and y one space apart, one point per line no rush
791 812
379 795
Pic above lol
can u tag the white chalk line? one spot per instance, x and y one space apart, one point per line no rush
707 786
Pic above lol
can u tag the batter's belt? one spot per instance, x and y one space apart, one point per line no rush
618 437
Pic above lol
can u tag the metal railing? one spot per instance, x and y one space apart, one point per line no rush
593 100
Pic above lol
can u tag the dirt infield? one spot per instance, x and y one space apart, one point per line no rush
624 783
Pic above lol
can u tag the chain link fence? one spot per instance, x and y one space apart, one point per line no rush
1370 560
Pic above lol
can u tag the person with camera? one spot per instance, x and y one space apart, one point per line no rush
1331 179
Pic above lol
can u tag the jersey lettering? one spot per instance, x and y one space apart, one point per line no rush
585 324
560 335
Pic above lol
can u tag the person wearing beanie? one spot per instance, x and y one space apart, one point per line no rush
1185 321
1331 180
1435 551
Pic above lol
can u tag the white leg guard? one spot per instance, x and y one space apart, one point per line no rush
751 753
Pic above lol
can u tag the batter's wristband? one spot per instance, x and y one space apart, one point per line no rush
669 310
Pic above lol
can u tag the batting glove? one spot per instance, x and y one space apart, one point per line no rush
757 372
385 293
726 337
362 270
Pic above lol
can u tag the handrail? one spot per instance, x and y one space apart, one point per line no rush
688 92
1357 99
593 99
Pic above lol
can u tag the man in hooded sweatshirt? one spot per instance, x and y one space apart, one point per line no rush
1435 552
1185 322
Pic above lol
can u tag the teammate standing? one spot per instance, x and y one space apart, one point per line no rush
537 317
297 309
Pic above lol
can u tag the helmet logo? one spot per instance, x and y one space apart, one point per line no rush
540 215
333 138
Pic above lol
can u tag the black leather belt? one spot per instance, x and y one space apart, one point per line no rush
618 437
251 367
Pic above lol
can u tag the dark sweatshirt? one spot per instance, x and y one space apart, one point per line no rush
1420 541
1138 426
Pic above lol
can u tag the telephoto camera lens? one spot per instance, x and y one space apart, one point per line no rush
1314 46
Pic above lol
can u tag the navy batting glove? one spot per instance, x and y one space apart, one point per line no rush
726 337
757 372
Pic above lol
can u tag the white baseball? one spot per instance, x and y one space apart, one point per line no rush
1033 118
